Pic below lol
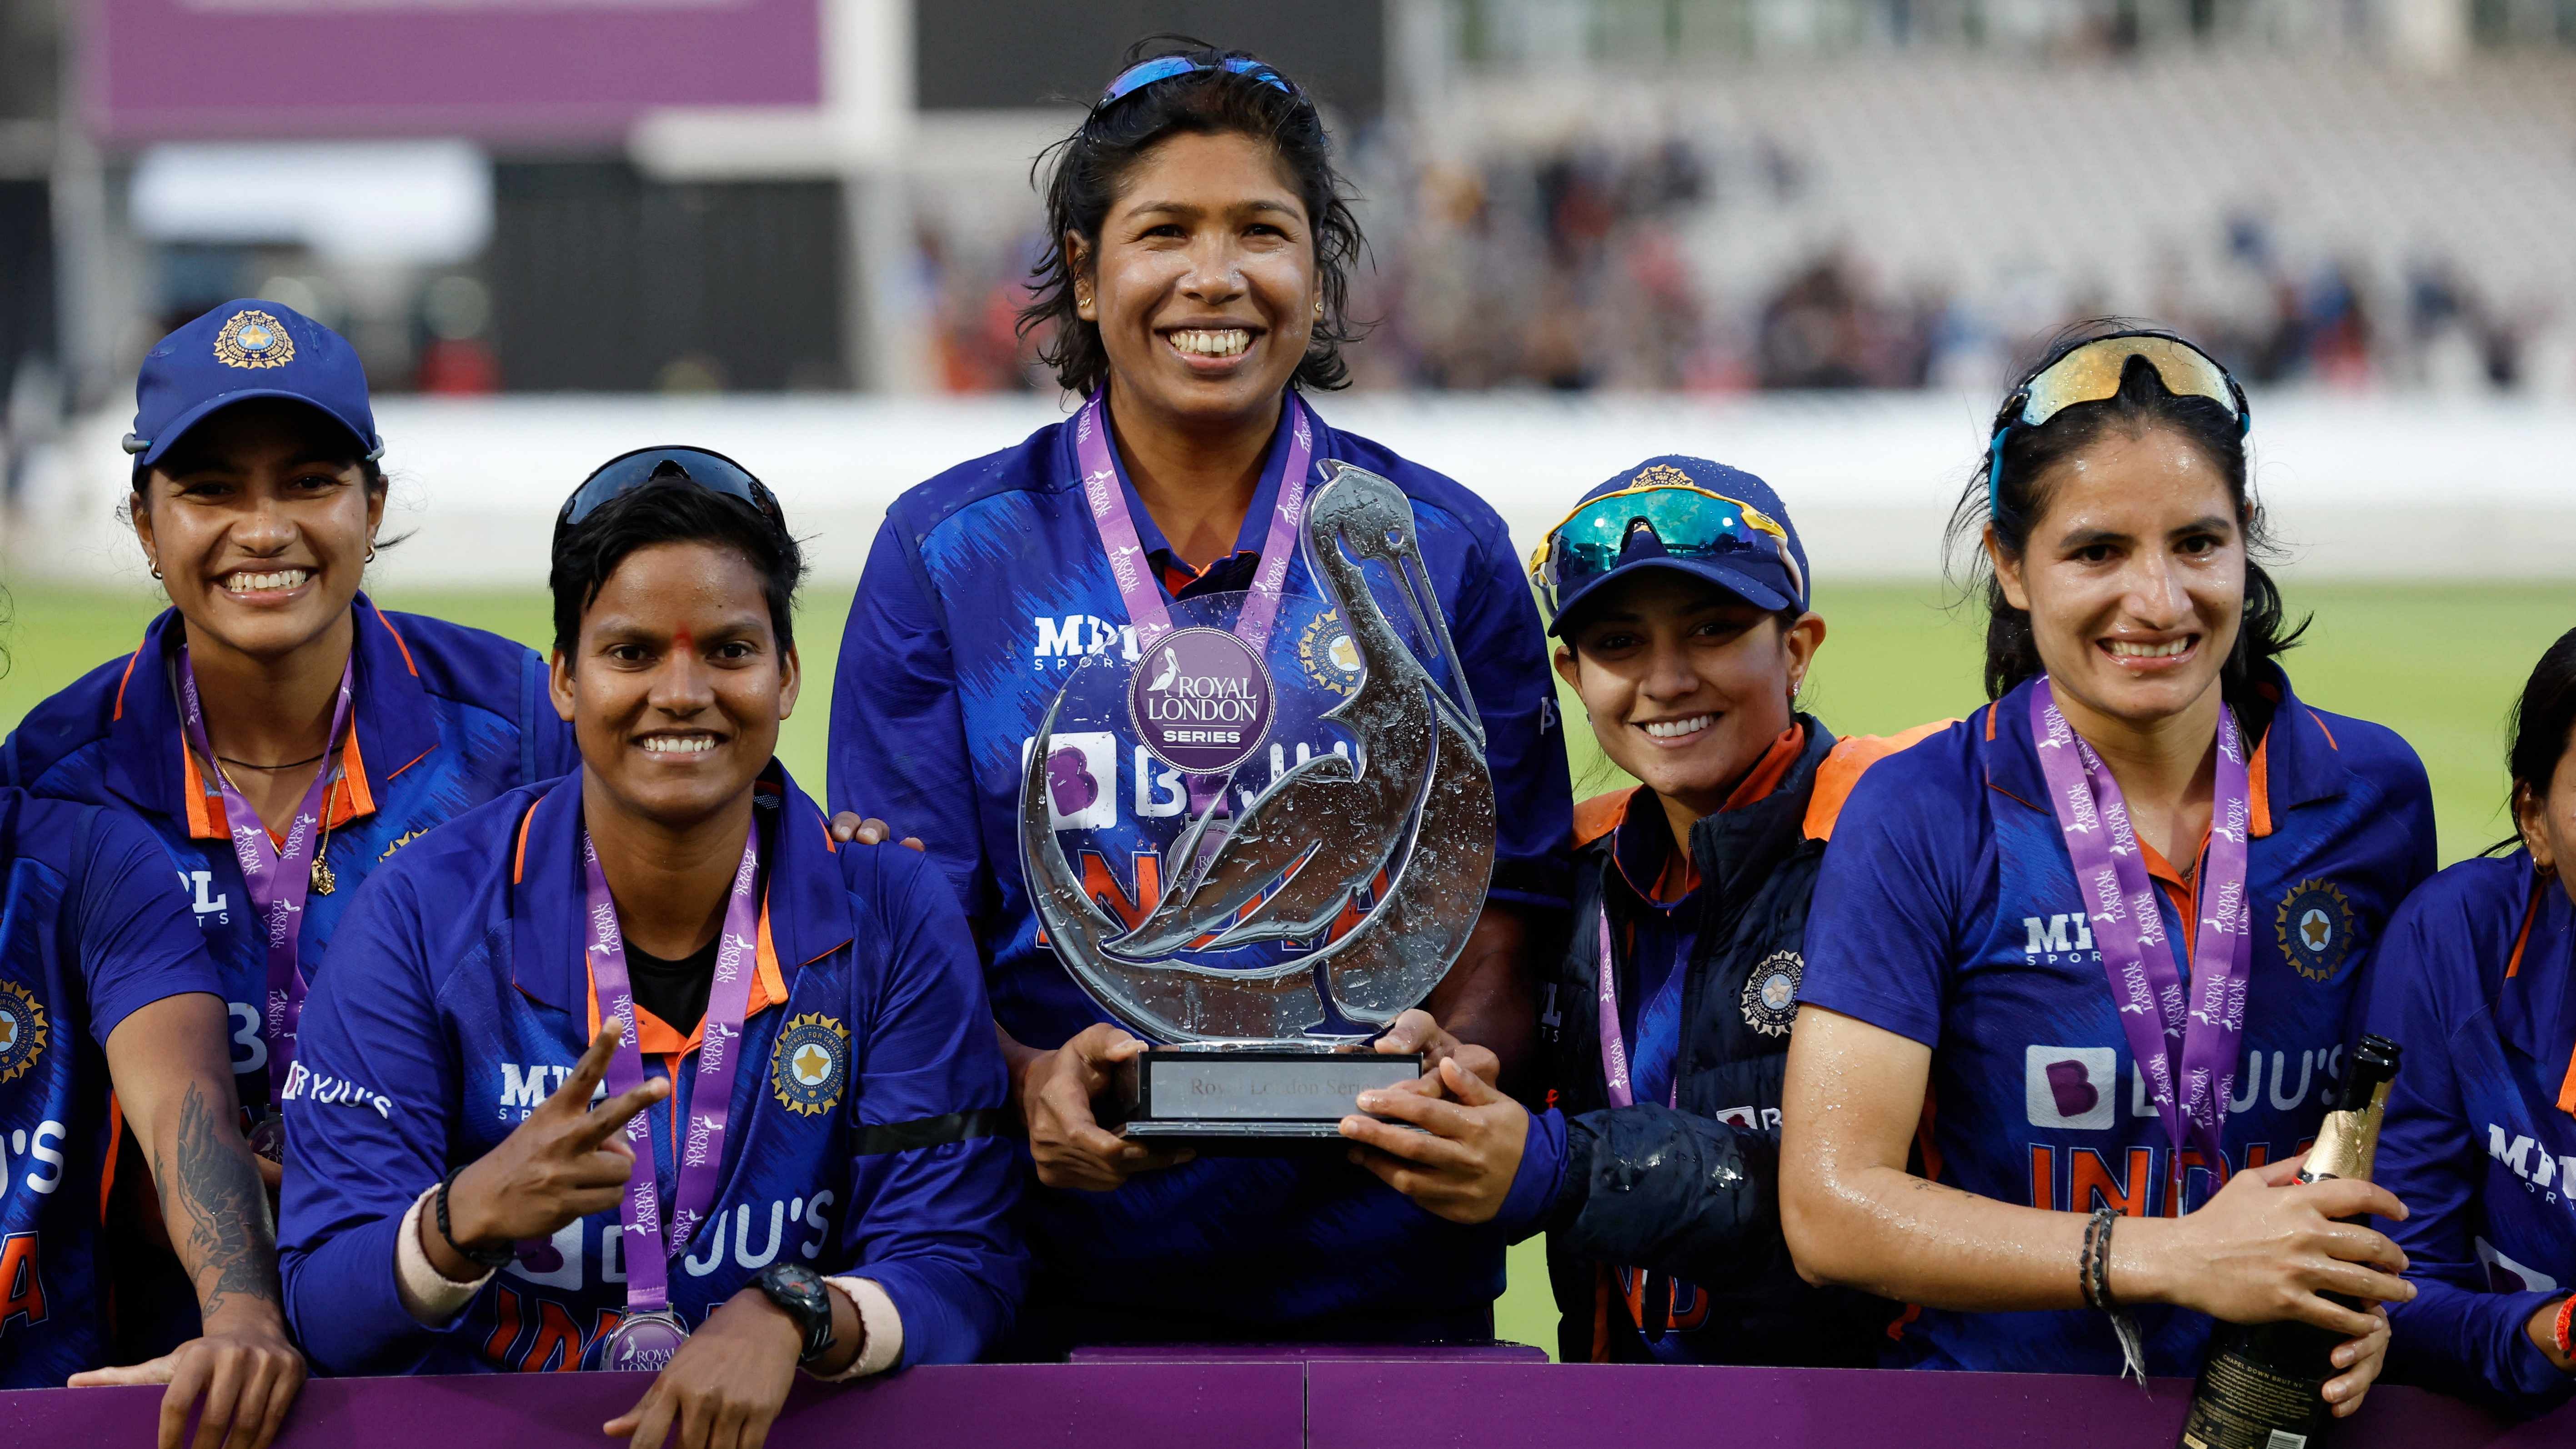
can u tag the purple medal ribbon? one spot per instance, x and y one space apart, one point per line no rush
1142 593
649 1247
278 877
1614 1047
2128 928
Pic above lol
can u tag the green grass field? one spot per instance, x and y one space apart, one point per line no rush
2440 664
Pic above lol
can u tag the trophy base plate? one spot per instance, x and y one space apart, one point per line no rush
1247 1101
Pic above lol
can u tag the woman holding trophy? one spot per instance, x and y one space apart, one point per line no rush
1194 297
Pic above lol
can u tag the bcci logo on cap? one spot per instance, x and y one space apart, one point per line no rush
253 339
22 1030
809 1064
2316 929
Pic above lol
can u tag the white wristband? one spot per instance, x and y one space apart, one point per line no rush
429 1296
881 1323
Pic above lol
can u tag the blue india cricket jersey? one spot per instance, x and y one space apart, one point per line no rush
444 718
862 1137
2478 1142
1947 912
92 928
985 588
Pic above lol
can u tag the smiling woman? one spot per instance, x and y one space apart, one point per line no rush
670 933
278 732
1192 301
2079 919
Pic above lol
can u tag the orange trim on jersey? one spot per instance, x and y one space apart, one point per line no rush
1599 816
124 679
399 643
207 819
1600 1313
519 861
1771 769
768 989
2321 729
1990 723
1851 758
2522 938
115 1141
2162 872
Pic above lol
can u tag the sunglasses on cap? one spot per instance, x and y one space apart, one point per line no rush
2091 373
1165 67
627 472
1689 521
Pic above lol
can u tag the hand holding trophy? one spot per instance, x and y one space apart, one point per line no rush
1279 925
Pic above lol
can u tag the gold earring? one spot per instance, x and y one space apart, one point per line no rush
1319 309
156 571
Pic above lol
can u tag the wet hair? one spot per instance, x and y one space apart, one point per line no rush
587 554
2537 732
2030 453
1090 167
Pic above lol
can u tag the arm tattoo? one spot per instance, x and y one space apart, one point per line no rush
229 1238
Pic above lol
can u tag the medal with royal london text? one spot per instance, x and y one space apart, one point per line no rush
1267 926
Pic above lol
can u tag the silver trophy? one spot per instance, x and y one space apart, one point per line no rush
1280 925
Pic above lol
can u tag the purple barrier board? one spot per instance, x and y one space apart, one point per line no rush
1348 1400
489 70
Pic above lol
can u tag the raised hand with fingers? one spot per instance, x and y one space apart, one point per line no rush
1456 1157
1054 1091
566 1161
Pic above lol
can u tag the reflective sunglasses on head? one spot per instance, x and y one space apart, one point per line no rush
2091 373
627 472
1164 67
1689 521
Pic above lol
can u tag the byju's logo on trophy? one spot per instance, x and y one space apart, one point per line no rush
1328 855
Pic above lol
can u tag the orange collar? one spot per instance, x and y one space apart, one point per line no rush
349 796
768 989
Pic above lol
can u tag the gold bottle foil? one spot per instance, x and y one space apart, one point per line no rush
2348 1141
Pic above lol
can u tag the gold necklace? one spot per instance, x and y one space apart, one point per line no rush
323 881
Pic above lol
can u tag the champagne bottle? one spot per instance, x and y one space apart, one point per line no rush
2262 1387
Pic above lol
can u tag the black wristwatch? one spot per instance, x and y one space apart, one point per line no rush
799 1291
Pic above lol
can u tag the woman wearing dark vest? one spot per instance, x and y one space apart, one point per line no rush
1681 593
2478 980
1195 297
2081 968
280 734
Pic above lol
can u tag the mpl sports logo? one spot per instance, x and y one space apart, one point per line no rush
1064 638
2550 1177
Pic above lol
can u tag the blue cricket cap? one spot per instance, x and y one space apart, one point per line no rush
242 350
1704 519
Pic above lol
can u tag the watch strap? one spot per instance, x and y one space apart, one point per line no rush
801 1294
499 1257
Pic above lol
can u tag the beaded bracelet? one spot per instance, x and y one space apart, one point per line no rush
2566 1309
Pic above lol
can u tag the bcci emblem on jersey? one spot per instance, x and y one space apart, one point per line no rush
809 1064
1771 995
22 1030
2316 928
253 339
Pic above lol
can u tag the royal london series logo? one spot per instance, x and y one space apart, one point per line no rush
2316 928
253 339
1328 655
1771 994
22 1030
809 1064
